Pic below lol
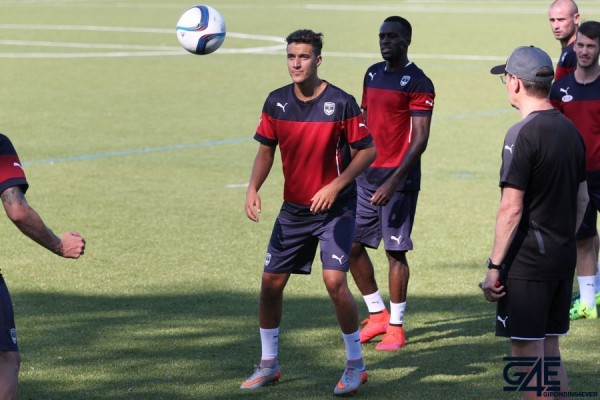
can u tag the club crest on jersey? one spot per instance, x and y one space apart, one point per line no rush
567 97
404 80
267 259
329 108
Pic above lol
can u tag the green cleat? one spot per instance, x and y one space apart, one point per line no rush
582 311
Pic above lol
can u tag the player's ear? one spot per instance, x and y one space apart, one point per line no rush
319 60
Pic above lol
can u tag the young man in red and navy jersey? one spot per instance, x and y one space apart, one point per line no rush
577 96
324 145
397 103
563 16
13 186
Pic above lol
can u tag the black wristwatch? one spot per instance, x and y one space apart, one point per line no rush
491 265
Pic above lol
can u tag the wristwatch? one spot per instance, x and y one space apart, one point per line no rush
491 265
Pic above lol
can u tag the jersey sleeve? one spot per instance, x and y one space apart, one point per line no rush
422 98
11 171
517 162
265 132
357 132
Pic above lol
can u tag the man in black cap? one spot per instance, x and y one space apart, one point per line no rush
544 194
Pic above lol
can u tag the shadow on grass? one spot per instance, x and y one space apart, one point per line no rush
201 346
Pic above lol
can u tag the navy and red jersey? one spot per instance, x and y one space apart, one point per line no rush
314 138
581 104
543 155
390 99
11 172
566 63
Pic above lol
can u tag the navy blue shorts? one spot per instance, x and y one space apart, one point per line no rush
392 222
294 241
588 225
532 310
8 332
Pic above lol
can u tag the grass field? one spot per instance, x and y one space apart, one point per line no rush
145 149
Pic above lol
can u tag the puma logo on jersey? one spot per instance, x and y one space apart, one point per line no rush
567 97
283 106
339 258
509 148
372 75
502 320
397 239
429 103
16 164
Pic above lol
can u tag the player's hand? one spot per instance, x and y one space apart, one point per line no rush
385 192
323 200
72 245
491 292
252 206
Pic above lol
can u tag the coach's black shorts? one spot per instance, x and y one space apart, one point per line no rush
8 332
532 310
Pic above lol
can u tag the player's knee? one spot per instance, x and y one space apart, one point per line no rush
397 259
337 288
357 250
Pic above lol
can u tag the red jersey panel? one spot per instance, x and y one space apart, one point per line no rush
390 100
581 104
314 138
11 171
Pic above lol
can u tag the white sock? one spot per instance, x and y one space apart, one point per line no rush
374 302
598 278
352 342
587 290
269 339
397 313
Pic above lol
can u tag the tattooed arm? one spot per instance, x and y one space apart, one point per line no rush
71 245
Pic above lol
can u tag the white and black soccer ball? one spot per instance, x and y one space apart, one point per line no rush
201 29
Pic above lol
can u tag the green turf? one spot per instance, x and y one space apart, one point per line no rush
147 157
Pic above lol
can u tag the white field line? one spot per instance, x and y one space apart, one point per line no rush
131 50
95 28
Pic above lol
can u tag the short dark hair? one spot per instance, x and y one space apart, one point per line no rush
540 90
307 36
590 29
405 26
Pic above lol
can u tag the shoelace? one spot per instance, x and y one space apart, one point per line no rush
349 375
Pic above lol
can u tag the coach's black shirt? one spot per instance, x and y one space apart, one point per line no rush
544 156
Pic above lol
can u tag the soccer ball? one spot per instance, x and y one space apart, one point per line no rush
201 30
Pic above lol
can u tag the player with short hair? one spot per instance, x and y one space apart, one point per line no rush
543 198
13 186
577 96
397 103
563 16
324 145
